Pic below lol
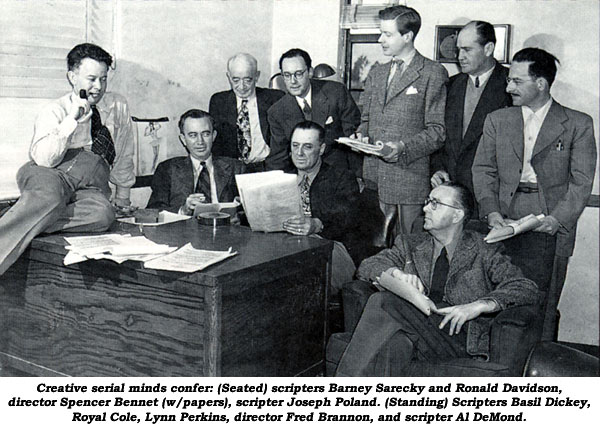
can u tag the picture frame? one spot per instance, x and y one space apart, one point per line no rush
445 43
362 52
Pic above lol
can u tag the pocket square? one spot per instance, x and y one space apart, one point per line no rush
329 120
411 90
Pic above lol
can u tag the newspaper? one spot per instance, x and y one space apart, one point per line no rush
522 225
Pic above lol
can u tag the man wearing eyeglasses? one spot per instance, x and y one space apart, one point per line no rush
240 114
538 157
457 270
324 102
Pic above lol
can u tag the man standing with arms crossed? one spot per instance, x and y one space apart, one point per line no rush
402 106
80 142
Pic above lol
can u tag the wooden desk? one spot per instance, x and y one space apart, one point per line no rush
260 313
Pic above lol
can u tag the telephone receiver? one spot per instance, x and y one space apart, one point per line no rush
82 95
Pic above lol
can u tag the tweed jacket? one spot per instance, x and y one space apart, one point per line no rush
564 161
223 109
173 181
477 270
456 157
412 111
332 107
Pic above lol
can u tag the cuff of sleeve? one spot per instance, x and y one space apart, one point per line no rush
487 206
122 192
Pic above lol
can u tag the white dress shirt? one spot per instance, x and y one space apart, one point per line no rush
532 123
308 99
196 163
55 133
259 150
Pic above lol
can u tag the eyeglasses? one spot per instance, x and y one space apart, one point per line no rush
434 204
296 74
517 82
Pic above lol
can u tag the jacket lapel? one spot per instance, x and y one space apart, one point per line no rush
456 108
463 256
222 170
262 114
320 104
422 256
412 73
184 174
231 106
551 129
514 133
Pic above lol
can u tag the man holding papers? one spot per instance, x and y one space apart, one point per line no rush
461 274
329 197
180 184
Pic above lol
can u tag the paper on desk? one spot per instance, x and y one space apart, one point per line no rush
212 208
188 259
93 244
164 217
269 199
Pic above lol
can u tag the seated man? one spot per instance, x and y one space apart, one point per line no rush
81 141
329 198
181 183
457 270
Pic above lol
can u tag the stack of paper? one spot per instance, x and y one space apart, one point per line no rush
115 247
377 149
188 259
164 217
269 199
522 225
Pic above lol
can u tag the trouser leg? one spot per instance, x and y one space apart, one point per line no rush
44 195
342 267
88 211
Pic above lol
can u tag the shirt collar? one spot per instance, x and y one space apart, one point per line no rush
196 163
406 59
483 77
450 247
250 99
311 175
308 97
540 114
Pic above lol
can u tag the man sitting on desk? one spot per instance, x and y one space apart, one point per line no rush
329 198
81 141
457 270
181 183
241 114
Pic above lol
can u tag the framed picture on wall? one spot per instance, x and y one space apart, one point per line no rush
362 52
445 43
150 147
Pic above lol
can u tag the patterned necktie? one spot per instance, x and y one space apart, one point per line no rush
203 184
243 131
102 142
440 274
305 196
307 110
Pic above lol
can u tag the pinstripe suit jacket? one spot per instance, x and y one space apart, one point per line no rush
564 160
412 111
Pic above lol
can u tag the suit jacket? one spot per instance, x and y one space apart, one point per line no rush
173 181
564 160
477 270
329 100
456 157
223 109
413 112
334 200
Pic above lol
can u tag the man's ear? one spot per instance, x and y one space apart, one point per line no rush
459 216
310 73
408 36
256 77
322 148
71 77
489 48
182 141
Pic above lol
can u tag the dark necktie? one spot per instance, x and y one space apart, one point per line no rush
440 274
305 196
243 131
102 142
203 184
477 81
395 67
307 110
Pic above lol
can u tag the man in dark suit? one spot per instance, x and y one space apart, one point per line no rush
329 199
322 101
478 90
538 157
240 114
180 184
403 107
457 270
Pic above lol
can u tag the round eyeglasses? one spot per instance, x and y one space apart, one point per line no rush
434 203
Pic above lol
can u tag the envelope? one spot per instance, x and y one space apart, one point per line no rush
329 120
411 90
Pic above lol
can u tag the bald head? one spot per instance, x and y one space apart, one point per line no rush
242 72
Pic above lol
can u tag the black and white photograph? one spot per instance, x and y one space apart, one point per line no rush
210 209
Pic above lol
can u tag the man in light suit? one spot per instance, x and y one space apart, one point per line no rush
403 107
324 102
479 89
457 270
180 184
538 157
240 114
